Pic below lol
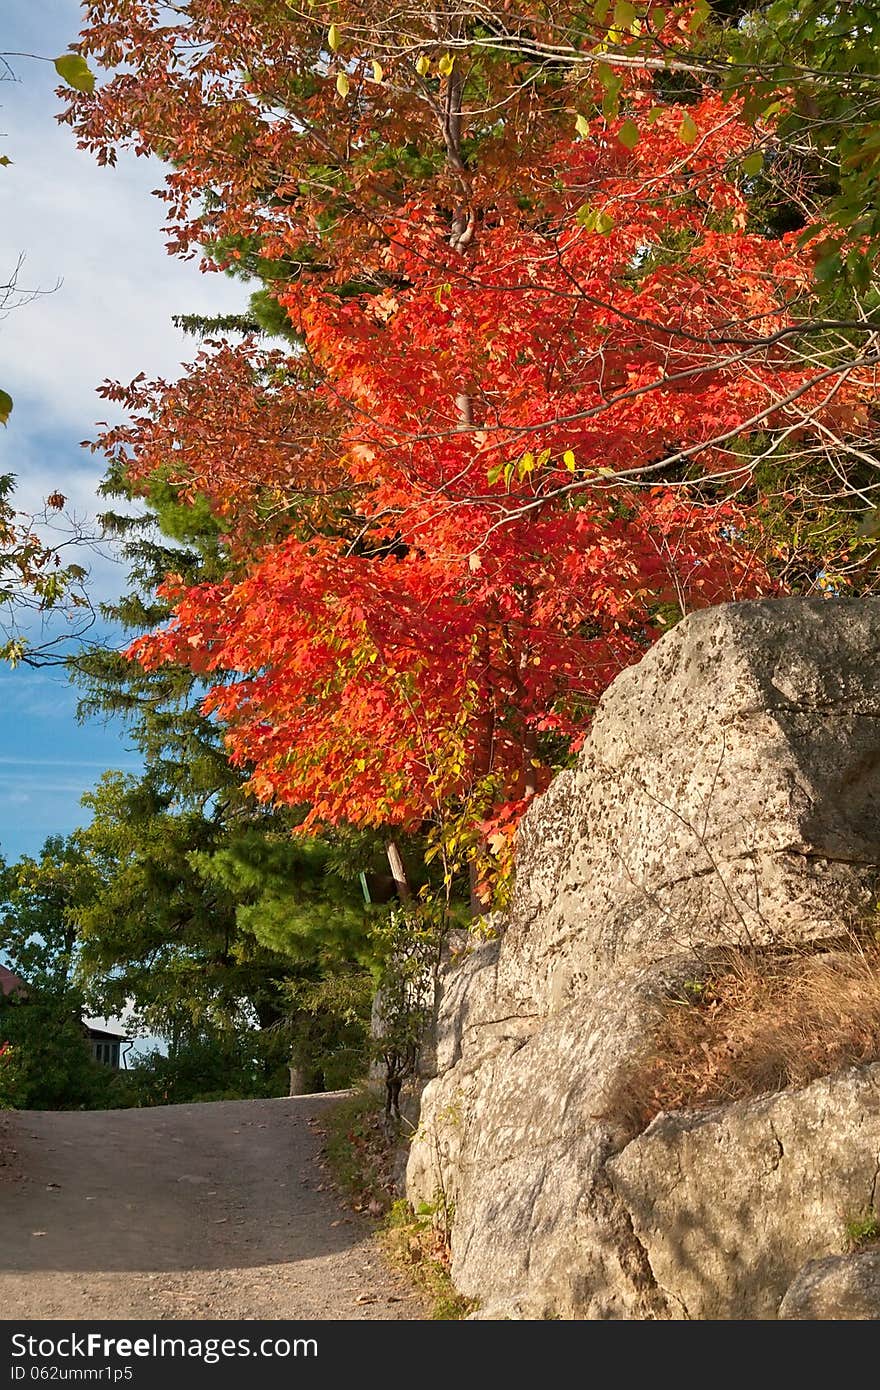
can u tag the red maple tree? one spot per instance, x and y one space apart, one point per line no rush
503 447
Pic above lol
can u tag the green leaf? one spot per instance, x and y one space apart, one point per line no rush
594 220
624 14
628 135
333 37
699 14
73 69
753 163
5 406
494 474
607 76
12 652
582 125
828 266
687 131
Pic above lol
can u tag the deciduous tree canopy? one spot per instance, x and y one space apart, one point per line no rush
549 308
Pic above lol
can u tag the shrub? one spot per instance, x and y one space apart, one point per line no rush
204 1069
47 1064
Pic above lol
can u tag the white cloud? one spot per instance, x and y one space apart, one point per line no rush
42 788
59 762
95 233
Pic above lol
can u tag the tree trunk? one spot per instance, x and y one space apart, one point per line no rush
398 873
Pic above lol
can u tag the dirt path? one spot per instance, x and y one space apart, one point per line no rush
186 1211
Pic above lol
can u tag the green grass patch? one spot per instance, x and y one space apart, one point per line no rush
863 1230
416 1242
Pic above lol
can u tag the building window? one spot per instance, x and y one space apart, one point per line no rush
106 1053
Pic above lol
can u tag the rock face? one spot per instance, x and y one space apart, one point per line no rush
840 1287
728 793
730 1203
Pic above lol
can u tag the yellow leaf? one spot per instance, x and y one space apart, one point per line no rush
687 131
582 126
568 459
446 64
526 464
378 74
333 37
343 86
422 66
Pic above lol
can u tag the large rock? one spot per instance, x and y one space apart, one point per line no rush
730 1203
841 1287
515 1137
728 793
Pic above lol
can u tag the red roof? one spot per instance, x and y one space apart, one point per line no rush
10 983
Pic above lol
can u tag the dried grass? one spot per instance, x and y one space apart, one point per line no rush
756 1023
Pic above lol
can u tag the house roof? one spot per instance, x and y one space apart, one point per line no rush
10 983
111 1034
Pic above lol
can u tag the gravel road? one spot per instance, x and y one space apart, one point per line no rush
186 1211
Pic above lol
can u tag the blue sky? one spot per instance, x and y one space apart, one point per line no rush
93 238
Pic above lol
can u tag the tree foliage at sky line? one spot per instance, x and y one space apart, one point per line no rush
567 324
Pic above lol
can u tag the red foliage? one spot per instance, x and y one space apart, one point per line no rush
462 505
